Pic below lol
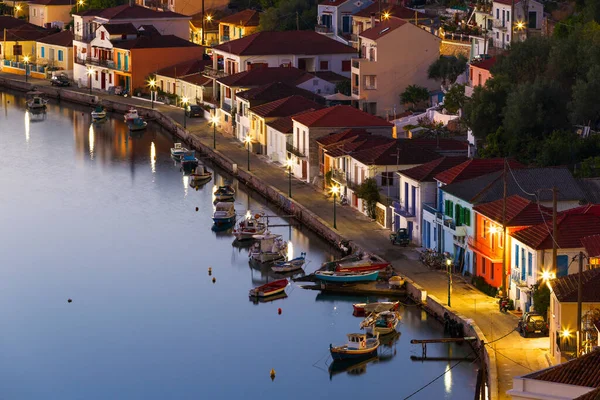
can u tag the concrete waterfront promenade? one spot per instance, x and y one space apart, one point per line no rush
510 354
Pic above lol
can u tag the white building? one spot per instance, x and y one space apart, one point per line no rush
335 18
525 19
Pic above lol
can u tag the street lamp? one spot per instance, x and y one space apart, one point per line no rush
26 61
289 164
152 84
448 265
520 25
17 9
248 140
214 121
335 190
386 15
90 71
79 3
184 101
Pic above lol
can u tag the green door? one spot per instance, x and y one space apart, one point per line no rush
126 63
118 60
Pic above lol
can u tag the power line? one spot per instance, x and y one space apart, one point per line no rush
502 337
510 359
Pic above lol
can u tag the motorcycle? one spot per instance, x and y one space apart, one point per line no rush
503 304
343 200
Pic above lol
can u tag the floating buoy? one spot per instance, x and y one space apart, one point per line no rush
196 189
209 271
214 279
279 311
272 374
69 301
196 208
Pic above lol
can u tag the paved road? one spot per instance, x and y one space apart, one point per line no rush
515 355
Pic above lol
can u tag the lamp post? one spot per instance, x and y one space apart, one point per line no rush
184 101
289 163
248 140
152 84
17 9
90 71
79 3
214 121
26 61
448 266
335 190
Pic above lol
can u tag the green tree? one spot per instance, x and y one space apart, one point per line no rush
560 148
526 60
289 15
369 192
584 106
344 87
589 168
541 298
484 112
454 99
447 68
414 94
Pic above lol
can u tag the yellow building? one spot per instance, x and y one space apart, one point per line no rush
45 12
562 319
56 51
211 27
238 25
19 47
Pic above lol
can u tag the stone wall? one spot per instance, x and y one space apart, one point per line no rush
448 48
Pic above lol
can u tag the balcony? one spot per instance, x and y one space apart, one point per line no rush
430 208
226 107
355 64
339 176
324 29
85 38
501 25
225 38
102 63
484 249
294 150
213 73
449 223
353 38
80 61
355 91
406 212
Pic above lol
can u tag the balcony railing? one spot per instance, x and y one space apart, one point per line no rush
353 37
502 25
430 208
339 176
355 91
102 63
225 38
226 107
449 223
323 29
79 60
406 212
294 150
214 73
85 38
484 248
355 64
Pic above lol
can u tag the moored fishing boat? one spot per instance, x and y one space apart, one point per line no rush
358 346
330 265
225 193
200 176
178 151
224 214
291 265
269 247
131 115
380 306
362 266
189 160
381 323
99 113
344 277
247 228
269 289
37 103
137 124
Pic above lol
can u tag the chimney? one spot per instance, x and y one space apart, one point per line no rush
372 20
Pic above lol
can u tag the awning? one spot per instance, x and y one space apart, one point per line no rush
339 97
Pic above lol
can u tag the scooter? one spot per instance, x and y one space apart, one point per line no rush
503 303
343 200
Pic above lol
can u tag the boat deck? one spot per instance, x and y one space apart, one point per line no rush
366 288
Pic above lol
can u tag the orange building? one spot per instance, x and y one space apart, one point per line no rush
489 242
136 59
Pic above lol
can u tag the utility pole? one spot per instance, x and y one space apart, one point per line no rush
554 231
203 22
297 21
503 287
579 301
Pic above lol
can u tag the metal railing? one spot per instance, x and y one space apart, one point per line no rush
406 212
323 29
502 25
214 73
294 150
226 107
225 38
430 208
339 176
355 63
103 63
355 91
85 38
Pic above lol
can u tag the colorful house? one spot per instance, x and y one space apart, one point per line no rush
20 42
46 13
238 25
185 80
56 51
479 73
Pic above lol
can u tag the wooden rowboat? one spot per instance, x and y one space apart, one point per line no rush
269 289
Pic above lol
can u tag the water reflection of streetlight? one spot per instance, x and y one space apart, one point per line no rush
27 126
186 183
334 190
92 140
290 250
153 157
448 379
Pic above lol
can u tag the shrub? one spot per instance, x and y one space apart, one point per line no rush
480 283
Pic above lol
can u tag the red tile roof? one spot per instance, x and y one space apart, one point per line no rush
344 135
262 76
473 168
285 107
507 2
340 117
25 32
284 124
519 211
566 289
398 152
484 64
121 29
242 18
383 28
184 68
589 209
131 12
63 38
7 22
591 245
156 42
52 2
426 172
285 42
197 79
275 91
332 3
581 371
396 10
571 229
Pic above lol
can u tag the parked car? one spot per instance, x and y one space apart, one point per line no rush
60 80
532 323
194 111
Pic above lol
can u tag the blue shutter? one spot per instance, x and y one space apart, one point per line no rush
529 264
60 55
562 264
517 255
43 52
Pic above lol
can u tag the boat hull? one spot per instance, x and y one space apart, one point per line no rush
370 277
375 307
345 354
196 179
269 289
224 221
267 257
363 268
98 115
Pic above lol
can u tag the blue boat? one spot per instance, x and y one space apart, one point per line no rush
189 160
359 346
343 277
224 214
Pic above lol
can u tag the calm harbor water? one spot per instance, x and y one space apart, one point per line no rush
90 213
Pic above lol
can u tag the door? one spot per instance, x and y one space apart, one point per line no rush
405 196
103 81
346 24
126 63
354 200
304 169
118 60
413 200
127 83
410 229
326 20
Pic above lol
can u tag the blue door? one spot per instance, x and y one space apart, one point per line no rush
396 222
405 196
413 199
410 229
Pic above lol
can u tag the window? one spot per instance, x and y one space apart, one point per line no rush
500 237
346 65
109 78
102 35
497 35
35 12
467 216
372 54
227 93
522 258
448 209
529 263
60 55
483 260
497 13
492 268
508 16
517 255
532 20
518 294
43 52
485 228
96 74
324 65
507 38
387 178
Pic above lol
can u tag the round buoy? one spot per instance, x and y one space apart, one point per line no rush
196 208
272 374
279 311
197 189
214 280
209 271
69 301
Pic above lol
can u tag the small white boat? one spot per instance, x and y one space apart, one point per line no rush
247 228
178 151
37 103
224 214
131 115
291 265
200 176
359 346
381 323
360 308
99 113
269 247
137 124
225 193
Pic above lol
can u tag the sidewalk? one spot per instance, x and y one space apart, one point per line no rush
515 355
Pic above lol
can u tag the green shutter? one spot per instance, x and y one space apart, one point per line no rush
458 212
467 217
